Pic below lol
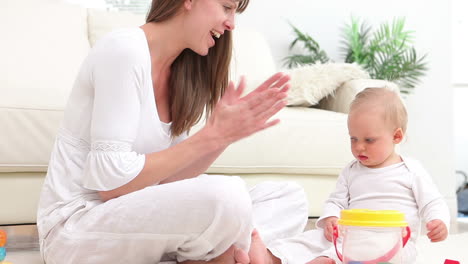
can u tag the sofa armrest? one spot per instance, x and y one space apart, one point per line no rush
340 100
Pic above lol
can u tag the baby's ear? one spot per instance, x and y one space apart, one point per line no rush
398 135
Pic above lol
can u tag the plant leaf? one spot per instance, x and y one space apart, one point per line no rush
314 52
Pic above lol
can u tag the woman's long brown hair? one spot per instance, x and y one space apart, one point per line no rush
196 82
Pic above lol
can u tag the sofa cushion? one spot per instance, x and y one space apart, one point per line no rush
251 57
44 48
26 138
300 144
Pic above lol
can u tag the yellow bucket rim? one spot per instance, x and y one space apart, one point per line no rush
373 218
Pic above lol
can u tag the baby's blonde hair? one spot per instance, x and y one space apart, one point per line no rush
387 98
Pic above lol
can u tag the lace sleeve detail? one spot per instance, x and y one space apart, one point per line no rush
111 146
111 164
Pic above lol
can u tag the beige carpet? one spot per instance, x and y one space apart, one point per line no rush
455 248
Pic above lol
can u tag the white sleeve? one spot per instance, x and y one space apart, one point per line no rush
116 76
338 199
430 202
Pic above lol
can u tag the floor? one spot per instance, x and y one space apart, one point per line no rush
23 248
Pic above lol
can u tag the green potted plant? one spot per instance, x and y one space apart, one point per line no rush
385 54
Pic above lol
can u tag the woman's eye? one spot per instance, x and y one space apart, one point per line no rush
227 8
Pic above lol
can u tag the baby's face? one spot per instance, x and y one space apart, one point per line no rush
372 139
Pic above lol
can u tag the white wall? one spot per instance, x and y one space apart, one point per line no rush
460 106
460 80
460 41
430 133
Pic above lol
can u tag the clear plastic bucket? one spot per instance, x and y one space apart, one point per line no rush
371 237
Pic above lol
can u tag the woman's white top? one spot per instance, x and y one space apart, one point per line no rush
110 123
405 187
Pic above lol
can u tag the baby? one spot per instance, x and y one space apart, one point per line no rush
381 179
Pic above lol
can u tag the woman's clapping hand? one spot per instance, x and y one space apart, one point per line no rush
236 117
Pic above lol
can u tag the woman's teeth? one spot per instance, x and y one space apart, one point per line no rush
215 34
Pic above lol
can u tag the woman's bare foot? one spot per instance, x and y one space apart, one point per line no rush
229 257
241 257
321 260
258 253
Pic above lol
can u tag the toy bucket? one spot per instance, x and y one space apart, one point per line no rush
371 237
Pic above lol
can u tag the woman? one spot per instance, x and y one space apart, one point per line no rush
125 185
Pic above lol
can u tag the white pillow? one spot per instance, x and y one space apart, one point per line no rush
311 83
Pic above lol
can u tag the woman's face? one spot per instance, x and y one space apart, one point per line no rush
206 21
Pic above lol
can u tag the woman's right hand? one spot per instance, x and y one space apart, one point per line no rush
236 117
330 223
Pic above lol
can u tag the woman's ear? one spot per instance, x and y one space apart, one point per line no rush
188 4
398 135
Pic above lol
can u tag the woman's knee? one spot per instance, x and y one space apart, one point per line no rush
229 217
230 194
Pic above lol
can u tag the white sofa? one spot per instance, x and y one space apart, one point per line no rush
42 47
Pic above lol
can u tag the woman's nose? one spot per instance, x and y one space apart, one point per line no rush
230 23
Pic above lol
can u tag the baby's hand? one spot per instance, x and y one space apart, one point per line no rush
330 222
436 230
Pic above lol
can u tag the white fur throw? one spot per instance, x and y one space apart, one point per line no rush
311 83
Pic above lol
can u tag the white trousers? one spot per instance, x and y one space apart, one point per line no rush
194 219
